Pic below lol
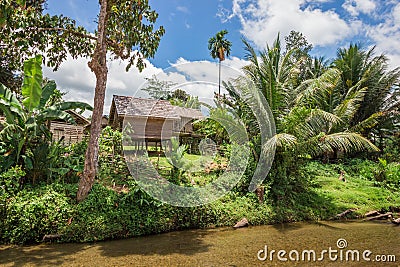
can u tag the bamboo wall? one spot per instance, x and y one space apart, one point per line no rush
152 128
72 133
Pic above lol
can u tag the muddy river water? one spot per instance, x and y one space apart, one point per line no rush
296 244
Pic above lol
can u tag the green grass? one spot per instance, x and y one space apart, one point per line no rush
198 170
328 195
356 192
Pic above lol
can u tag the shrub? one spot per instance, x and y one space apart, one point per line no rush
9 180
65 163
30 215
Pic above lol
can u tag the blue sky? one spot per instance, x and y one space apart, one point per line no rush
188 24
327 24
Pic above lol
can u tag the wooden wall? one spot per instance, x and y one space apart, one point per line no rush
184 125
72 133
152 128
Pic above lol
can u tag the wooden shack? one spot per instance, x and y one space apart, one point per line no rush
67 132
151 120
187 116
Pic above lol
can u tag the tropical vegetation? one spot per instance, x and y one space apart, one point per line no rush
25 137
327 119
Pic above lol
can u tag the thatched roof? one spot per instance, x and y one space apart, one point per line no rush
141 107
79 119
188 113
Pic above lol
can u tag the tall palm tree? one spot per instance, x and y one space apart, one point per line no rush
219 46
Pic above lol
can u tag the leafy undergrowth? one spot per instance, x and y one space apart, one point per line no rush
106 214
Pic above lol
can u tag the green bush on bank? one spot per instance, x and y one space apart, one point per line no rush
106 214
28 215
31 214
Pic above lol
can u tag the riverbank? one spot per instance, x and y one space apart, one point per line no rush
115 214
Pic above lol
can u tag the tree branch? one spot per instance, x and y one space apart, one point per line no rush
79 34
112 43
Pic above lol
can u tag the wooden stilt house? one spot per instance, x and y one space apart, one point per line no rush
152 121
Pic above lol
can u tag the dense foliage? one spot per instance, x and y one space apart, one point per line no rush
28 215
25 137
345 114
318 115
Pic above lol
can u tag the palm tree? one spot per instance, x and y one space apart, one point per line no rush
381 97
309 125
271 71
219 46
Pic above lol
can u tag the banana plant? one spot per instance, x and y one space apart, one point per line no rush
27 118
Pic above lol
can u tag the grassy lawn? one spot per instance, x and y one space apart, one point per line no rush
356 192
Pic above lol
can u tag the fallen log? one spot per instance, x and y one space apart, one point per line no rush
343 214
393 220
49 238
379 217
242 223
372 213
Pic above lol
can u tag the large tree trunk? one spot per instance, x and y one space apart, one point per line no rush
98 65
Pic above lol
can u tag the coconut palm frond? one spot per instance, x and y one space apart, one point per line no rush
368 123
349 142
350 105
315 145
270 71
316 91
282 140
306 123
320 120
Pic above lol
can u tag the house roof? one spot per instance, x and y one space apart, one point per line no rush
79 119
188 112
142 107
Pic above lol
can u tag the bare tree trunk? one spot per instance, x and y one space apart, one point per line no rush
98 65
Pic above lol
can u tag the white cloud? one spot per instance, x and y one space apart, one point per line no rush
197 78
319 1
75 77
183 9
355 7
262 19
386 36
200 78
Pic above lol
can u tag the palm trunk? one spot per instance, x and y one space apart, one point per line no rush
98 65
219 80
